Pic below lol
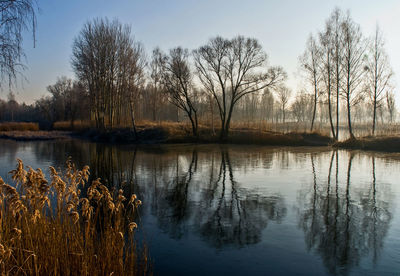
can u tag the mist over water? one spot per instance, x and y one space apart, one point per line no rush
212 209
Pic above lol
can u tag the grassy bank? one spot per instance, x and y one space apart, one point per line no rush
27 135
377 143
49 228
170 134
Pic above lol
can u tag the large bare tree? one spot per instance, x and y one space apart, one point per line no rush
231 69
379 73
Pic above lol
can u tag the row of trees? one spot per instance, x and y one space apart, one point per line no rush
340 64
226 79
112 67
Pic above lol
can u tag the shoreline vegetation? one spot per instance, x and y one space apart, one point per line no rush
67 226
178 133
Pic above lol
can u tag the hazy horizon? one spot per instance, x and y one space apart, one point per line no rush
282 29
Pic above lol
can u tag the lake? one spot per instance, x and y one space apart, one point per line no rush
237 210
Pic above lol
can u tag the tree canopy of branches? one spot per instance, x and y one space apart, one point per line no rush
231 69
344 64
178 83
111 65
15 17
284 94
68 101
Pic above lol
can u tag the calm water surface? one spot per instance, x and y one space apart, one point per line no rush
237 210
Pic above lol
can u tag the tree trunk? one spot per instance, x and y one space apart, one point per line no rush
349 118
133 119
314 111
374 117
193 121
329 101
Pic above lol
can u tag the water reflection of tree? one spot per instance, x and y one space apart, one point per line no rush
59 151
185 189
343 224
229 215
172 204
207 200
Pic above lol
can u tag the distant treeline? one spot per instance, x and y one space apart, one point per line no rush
347 79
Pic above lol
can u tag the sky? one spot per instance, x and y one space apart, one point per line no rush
282 27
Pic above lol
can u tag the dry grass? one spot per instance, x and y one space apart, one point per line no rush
66 125
376 143
50 228
19 126
174 132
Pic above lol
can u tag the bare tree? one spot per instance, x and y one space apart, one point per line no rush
284 94
16 16
12 104
354 47
327 63
267 105
178 83
155 81
231 69
310 64
391 106
77 102
335 24
111 65
68 101
379 73
302 106
60 92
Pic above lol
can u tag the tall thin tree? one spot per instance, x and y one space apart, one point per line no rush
379 73
354 47
310 64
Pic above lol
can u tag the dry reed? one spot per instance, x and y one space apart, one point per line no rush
66 125
21 126
49 228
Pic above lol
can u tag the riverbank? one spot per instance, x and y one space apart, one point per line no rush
27 135
159 135
177 135
375 143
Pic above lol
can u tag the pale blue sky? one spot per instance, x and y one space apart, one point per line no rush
282 27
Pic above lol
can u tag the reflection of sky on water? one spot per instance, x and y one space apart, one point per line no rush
213 209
